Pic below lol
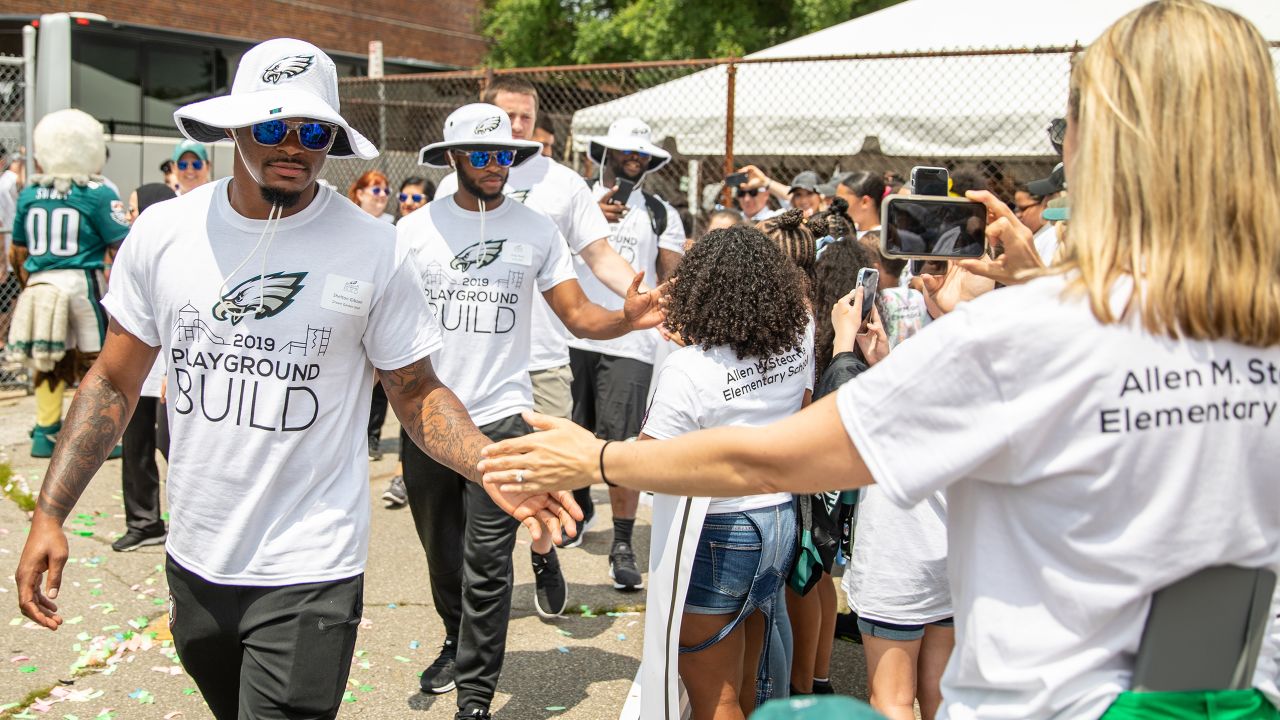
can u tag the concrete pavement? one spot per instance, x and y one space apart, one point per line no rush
105 661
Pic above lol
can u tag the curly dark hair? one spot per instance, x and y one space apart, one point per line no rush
837 272
736 287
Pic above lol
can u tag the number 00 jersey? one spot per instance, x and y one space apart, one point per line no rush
68 231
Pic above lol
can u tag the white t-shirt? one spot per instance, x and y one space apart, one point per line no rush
559 193
8 209
1046 242
701 388
1086 466
898 573
633 239
268 475
483 293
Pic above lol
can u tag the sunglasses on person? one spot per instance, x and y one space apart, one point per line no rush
1057 131
750 193
480 159
193 164
378 191
416 197
637 153
311 135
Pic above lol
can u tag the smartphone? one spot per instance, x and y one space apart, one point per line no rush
623 194
929 181
735 179
915 226
869 281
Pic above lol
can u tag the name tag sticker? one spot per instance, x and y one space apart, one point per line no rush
519 254
347 296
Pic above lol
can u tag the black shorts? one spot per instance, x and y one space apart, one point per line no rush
266 652
609 393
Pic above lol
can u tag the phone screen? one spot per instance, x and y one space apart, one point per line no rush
934 228
869 281
624 191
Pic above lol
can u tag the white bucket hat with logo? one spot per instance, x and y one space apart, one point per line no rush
629 135
478 126
279 79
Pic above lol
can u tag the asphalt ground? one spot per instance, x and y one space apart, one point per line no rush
114 657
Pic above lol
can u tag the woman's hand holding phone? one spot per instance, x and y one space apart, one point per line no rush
873 341
1006 231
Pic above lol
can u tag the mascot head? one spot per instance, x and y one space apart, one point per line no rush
70 148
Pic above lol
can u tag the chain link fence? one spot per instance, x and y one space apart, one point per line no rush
981 114
12 138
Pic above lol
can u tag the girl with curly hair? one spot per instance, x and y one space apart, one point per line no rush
736 301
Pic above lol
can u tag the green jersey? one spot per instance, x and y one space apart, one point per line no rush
71 231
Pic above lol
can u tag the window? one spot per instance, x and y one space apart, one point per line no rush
175 76
105 79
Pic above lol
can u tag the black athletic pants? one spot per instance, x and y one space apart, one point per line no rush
377 412
609 399
471 588
266 652
147 431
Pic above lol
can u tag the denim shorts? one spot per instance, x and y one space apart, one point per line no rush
742 560
900 633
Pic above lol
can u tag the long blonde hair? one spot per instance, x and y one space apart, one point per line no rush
1175 177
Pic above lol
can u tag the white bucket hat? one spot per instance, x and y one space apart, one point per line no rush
278 79
478 126
629 134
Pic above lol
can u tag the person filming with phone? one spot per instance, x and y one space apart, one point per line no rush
1104 429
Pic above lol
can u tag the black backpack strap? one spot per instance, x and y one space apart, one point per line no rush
657 213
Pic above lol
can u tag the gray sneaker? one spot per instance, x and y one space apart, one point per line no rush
395 495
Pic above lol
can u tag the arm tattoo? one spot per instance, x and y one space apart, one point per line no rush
93 427
434 418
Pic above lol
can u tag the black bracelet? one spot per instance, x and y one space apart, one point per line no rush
602 476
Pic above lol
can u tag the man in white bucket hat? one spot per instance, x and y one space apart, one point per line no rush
272 324
611 377
483 260
561 194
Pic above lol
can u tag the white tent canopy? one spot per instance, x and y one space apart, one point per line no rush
955 106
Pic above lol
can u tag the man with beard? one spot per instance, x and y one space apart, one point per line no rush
483 259
272 324
611 377
559 193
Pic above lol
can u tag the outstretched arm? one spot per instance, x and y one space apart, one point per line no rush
807 452
585 319
609 267
437 421
94 424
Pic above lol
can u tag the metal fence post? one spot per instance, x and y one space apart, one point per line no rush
732 81
29 94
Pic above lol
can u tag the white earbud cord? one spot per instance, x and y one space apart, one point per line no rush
268 234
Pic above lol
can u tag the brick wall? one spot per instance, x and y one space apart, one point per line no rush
442 31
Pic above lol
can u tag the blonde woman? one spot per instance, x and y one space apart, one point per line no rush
1077 485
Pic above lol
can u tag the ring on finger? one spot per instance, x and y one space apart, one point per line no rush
520 476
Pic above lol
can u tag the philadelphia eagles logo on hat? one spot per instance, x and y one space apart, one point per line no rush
278 291
479 254
288 67
487 125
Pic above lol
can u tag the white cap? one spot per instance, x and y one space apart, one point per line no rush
277 79
629 135
478 126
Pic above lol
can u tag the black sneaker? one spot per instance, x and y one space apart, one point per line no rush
823 687
438 678
395 495
583 527
134 539
623 569
473 714
551 592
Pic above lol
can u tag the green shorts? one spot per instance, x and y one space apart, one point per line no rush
1213 705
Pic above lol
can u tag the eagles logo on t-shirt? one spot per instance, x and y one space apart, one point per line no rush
477 255
278 291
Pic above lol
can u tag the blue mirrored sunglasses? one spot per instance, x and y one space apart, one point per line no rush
311 135
479 159
193 164
404 197
637 153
